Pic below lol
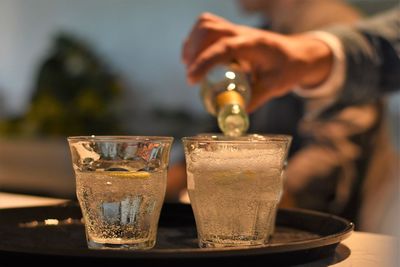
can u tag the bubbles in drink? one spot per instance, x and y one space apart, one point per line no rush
235 197
121 207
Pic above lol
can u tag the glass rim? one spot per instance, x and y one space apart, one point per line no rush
117 138
267 138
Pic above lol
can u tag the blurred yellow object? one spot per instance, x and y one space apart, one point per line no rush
230 177
125 174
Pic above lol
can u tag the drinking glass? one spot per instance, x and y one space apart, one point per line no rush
120 186
234 186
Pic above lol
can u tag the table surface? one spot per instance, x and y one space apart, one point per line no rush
361 249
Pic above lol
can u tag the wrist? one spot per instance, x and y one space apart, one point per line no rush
318 64
329 86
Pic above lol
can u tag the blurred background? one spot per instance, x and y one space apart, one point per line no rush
82 67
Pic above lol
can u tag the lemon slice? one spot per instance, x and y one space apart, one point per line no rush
229 177
123 174
229 174
250 174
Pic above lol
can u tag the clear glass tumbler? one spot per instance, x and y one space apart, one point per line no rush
234 186
120 185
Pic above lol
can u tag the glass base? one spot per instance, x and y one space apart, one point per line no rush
226 243
131 246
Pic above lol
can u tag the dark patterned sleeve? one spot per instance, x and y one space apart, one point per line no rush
372 50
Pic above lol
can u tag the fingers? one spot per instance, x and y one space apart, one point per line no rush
207 16
258 98
266 86
223 51
207 30
213 55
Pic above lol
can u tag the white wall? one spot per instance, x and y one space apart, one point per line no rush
140 39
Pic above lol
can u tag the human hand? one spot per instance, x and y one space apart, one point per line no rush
276 63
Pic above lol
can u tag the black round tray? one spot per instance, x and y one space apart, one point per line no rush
301 236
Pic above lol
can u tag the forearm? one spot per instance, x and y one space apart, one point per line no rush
365 65
372 58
